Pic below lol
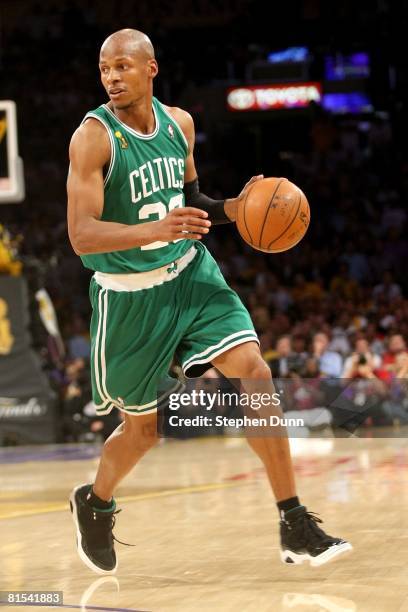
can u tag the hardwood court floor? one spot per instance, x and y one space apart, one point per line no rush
205 528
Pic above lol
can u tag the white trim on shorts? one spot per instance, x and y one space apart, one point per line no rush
149 408
100 375
100 341
137 281
245 335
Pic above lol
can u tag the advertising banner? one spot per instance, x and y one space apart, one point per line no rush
27 404
273 97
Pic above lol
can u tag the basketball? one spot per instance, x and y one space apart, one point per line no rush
274 215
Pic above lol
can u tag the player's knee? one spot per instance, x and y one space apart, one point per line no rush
142 432
257 369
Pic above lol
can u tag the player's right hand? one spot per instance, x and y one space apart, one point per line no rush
188 222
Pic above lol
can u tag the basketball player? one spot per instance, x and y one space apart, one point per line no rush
156 292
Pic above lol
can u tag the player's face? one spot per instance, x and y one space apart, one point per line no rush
126 77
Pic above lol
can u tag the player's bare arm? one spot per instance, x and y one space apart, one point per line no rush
89 153
229 205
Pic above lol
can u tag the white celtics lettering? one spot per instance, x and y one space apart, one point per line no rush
159 174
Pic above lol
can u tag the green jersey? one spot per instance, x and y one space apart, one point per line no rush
143 183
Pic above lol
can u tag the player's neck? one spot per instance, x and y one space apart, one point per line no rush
139 116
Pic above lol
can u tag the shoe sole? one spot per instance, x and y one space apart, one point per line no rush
83 556
291 558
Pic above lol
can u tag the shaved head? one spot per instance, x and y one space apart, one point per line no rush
128 42
127 67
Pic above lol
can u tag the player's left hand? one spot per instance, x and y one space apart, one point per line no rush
231 205
247 185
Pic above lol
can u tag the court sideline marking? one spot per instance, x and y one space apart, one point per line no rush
62 506
77 607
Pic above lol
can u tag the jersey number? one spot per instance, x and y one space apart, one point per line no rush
159 209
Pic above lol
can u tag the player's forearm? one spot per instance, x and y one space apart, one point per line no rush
230 208
96 236
219 211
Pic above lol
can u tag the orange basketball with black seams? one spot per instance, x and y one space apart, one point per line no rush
274 215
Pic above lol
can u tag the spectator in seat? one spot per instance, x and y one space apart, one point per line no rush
330 362
396 347
362 361
279 359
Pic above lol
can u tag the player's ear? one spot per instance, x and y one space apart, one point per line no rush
153 68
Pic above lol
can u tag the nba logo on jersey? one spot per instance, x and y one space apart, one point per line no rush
170 129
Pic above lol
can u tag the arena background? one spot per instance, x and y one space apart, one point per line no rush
338 295
346 150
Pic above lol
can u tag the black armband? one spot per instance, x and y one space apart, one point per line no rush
214 208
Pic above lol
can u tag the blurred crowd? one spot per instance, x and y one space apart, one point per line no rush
334 306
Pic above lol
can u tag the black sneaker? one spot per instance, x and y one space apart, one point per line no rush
303 540
94 532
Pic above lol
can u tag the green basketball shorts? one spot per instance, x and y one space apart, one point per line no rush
141 321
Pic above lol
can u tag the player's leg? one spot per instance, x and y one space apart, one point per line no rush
127 369
122 450
93 506
220 323
301 538
245 362
221 332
